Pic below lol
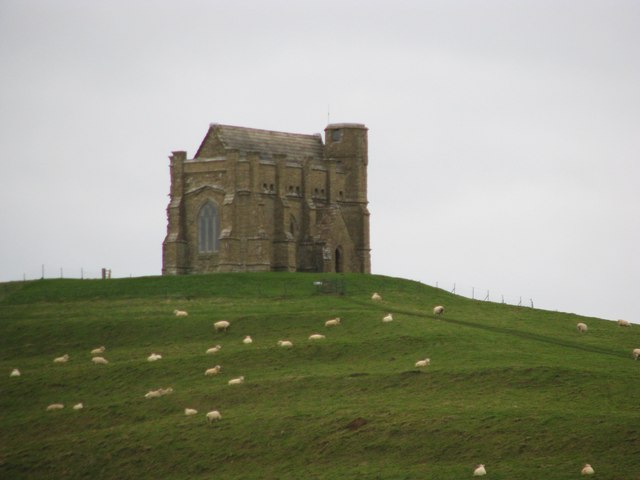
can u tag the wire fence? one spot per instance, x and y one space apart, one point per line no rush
487 296
48 272
334 286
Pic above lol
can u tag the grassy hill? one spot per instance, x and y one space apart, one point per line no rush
517 389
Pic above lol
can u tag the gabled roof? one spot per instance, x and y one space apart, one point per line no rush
227 137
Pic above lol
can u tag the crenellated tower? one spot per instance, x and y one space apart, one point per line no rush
346 148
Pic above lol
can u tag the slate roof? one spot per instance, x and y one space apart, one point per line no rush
294 145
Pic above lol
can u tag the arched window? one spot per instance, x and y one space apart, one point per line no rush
208 228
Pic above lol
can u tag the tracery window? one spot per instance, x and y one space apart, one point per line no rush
208 228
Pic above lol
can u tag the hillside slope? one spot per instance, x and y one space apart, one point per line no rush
517 389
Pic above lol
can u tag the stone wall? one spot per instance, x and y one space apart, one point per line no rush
301 209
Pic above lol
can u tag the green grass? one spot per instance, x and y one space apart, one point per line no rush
517 389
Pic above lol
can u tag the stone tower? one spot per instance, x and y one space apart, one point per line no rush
259 200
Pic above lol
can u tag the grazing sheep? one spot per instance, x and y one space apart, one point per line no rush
285 343
582 327
214 416
213 350
479 470
423 363
78 406
316 336
376 297
221 326
636 353
99 360
190 411
587 470
15 373
180 313
438 310
153 394
387 318
213 371
334 322
98 351
154 357
247 340
158 393
55 406
62 359
236 381
624 323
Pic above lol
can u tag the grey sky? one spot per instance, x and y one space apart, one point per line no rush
503 135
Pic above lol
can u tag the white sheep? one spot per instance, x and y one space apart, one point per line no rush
376 297
99 360
158 393
213 350
624 323
221 326
98 351
78 406
582 327
316 336
190 411
479 470
180 313
334 322
154 357
587 470
387 318
636 353
236 381
247 340
15 373
55 406
423 363
285 343
438 310
213 416
62 359
153 394
213 371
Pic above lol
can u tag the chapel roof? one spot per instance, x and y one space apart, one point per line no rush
294 145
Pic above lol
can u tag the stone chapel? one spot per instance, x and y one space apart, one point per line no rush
260 200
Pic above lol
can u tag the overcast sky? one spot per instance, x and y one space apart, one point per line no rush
503 135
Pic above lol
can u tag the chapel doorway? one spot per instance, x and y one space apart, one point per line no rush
339 260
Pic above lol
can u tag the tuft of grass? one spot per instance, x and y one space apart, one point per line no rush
517 389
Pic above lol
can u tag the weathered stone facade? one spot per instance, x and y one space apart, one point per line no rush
259 200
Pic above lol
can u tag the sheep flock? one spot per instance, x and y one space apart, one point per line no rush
223 326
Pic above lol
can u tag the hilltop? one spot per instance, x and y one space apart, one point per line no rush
515 388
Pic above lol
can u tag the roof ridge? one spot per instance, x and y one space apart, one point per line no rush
262 130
